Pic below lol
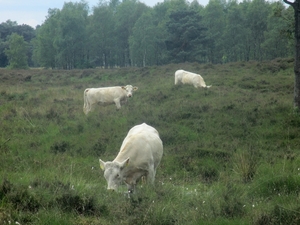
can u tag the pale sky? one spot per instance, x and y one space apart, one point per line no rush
34 12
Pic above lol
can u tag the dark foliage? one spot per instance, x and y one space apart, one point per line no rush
232 205
60 147
53 186
19 197
186 35
279 185
71 202
280 215
53 115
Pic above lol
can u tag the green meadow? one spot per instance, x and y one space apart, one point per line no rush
231 152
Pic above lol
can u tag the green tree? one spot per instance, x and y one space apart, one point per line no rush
160 16
9 27
62 39
256 20
214 20
101 36
276 44
186 36
44 52
70 40
128 12
234 33
3 57
296 7
17 52
142 42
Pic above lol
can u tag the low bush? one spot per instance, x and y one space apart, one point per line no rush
245 164
285 184
60 147
280 215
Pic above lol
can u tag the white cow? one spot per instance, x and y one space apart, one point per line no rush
185 77
139 156
106 96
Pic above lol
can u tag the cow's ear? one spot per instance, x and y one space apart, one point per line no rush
102 164
124 163
135 88
123 87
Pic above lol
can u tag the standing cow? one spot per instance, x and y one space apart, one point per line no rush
139 156
106 96
185 77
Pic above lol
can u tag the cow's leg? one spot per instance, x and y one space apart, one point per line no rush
85 99
131 188
85 111
86 108
196 86
150 177
118 104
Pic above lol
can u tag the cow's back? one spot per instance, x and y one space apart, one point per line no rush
106 94
189 78
110 92
143 146
192 78
142 128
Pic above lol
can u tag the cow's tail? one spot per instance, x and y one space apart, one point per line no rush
176 79
86 104
208 86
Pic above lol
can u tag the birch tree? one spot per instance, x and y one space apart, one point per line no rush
296 7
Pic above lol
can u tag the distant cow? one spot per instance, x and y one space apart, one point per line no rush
139 156
185 77
106 96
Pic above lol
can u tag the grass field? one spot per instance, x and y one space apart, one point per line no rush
231 152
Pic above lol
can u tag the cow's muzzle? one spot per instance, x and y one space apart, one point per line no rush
111 189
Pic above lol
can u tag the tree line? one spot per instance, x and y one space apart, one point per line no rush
130 33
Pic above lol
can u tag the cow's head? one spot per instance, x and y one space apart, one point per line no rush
113 173
129 89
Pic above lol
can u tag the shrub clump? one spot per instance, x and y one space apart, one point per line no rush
246 163
18 197
99 147
60 147
53 115
232 206
71 202
283 185
279 215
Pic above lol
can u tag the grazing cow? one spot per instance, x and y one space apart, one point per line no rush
139 156
106 96
185 77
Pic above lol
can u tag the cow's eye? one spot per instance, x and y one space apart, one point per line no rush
117 175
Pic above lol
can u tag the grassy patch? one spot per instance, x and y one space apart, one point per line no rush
231 152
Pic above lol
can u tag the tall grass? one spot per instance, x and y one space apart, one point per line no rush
231 152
